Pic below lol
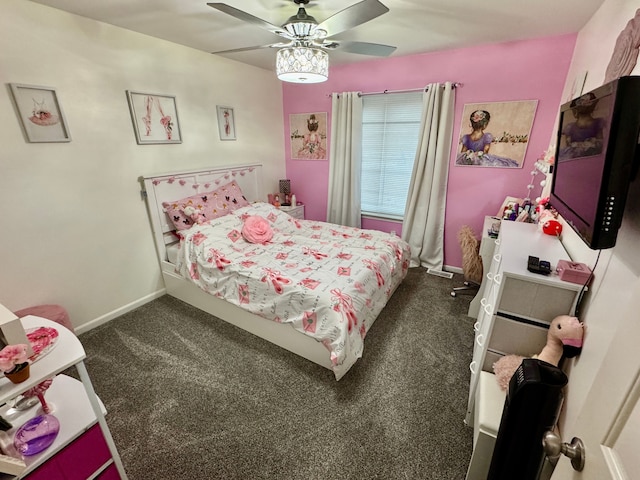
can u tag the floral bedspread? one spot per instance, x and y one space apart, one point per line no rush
328 281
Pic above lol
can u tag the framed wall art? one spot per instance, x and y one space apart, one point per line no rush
495 134
155 118
308 136
226 123
40 113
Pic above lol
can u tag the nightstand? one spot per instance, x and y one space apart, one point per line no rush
295 212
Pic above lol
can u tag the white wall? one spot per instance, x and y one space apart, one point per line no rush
76 231
616 272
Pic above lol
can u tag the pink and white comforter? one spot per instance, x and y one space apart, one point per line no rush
328 281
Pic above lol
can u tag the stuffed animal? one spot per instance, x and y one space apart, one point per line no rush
195 214
471 260
552 227
545 212
564 337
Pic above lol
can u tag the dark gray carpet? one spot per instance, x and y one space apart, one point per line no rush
191 397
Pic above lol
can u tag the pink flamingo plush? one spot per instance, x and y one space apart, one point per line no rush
565 337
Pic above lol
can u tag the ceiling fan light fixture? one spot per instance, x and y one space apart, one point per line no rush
302 64
301 29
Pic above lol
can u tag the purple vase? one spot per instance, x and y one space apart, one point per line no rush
36 435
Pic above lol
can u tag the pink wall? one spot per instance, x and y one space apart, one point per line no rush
534 69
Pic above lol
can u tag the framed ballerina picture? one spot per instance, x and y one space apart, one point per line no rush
308 136
226 123
495 134
40 114
155 118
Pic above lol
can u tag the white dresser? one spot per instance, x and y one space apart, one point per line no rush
486 251
517 306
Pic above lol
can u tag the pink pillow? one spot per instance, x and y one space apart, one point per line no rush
208 205
257 230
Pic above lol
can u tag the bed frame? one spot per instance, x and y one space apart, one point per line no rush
173 186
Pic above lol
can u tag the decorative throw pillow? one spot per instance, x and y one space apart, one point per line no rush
256 229
207 205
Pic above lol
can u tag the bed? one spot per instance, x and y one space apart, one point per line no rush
314 288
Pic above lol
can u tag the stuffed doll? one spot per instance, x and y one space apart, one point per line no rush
564 338
195 214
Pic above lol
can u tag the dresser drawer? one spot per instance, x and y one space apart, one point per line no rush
489 359
110 473
84 456
514 337
535 300
50 470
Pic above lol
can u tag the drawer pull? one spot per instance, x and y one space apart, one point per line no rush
476 326
487 309
490 276
497 257
483 302
498 279
480 340
472 367
497 241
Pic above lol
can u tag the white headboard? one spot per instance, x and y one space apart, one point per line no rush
177 185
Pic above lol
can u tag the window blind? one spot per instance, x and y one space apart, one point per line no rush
390 129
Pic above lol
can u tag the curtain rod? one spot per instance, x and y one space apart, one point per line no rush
424 89
383 92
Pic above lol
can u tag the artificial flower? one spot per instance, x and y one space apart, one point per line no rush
12 356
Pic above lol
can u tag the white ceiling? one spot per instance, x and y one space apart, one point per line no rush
414 26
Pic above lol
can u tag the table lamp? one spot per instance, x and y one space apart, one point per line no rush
285 190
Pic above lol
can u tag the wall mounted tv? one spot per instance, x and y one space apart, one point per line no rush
596 158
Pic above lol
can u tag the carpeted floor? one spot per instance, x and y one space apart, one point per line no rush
191 397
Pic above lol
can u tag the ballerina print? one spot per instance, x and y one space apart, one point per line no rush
41 115
155 118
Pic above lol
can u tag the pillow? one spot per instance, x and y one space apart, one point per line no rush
205 206
256 230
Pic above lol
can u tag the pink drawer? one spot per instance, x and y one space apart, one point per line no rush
84 456
48 471
111 473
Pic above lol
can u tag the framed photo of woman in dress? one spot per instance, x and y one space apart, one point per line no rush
226 123
308 136
495 134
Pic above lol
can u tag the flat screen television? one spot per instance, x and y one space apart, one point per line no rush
596 157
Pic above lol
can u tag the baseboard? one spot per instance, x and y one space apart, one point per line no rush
453 269
85 327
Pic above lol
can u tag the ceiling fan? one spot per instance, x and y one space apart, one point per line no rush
303 58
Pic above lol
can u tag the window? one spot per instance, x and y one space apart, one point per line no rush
390 129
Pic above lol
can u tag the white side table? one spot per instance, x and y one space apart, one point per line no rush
67 352
295 212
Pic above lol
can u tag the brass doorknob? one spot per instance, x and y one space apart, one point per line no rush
554 447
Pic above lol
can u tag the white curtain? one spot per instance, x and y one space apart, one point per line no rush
343 206
423 226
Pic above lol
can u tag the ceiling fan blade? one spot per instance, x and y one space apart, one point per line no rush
246 49
239 14
364 48
352 16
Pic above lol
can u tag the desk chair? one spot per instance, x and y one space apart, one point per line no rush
471 262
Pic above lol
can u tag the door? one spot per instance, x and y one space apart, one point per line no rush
609 420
